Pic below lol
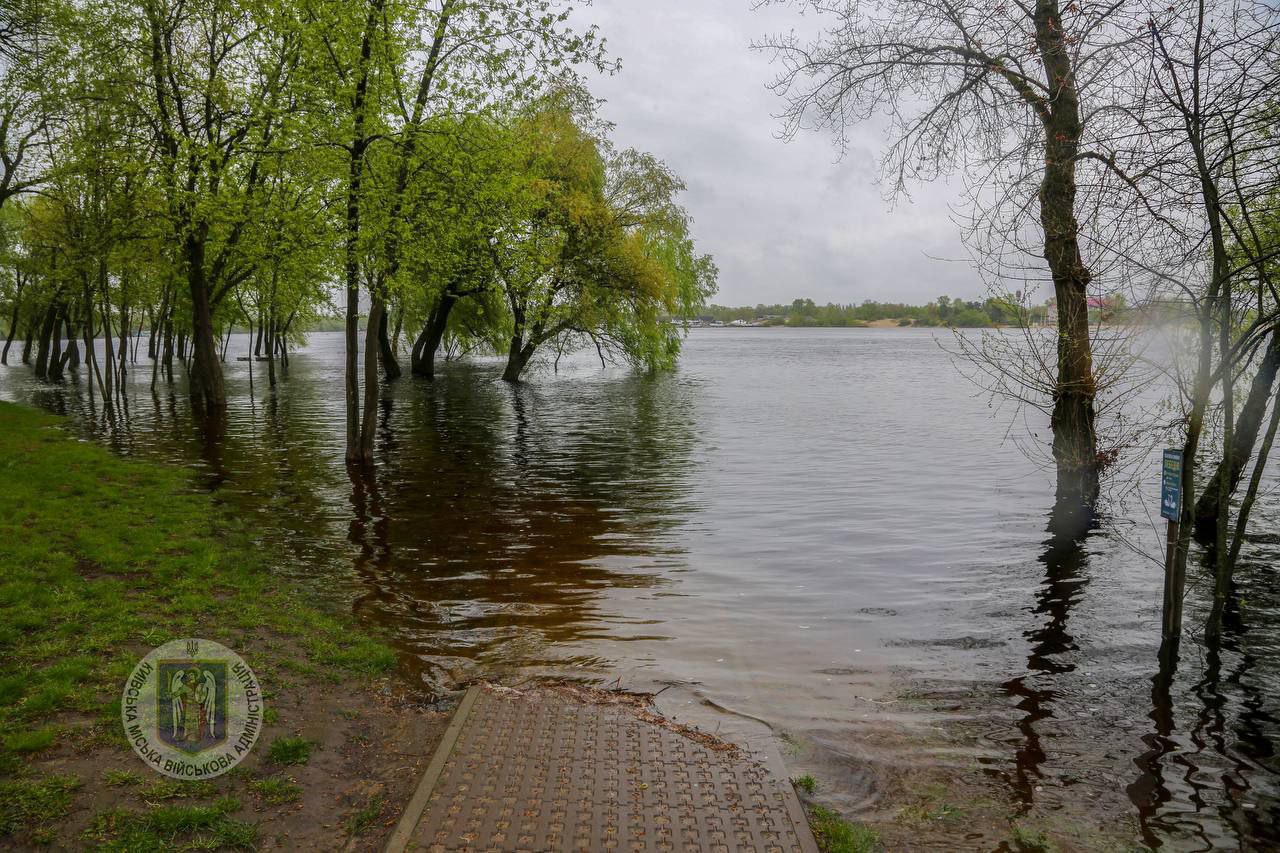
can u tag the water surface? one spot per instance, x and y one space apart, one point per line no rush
829 531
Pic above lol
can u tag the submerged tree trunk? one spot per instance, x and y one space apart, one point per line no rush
518 356
46 334
1075 440
423 358
1251 494
13 323
271 356
29 339
71 358
351 261
108 345
55 346
207 389
166 356
372 347
390 365
395 336
1244 438
122 367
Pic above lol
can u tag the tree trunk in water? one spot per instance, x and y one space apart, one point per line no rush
166 357
1243 440
517 359
46 333
271 355
157 321
1075 439
372 347
423 359
29 340
86 329
137 337
108 389
1251 494
390 366
13 328
124 334
351 260
207 389
71 358
55 347
352 377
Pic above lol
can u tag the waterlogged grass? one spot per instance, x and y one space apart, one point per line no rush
364 818
834 834
123 778
30 806
1030 840
805 783
276 790
290 750
102 559
31 741
173 828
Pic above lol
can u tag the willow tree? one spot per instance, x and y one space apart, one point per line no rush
458 203
999 92
595 249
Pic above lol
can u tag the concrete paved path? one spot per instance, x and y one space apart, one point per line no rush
551 769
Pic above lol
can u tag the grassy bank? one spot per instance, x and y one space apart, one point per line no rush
102 559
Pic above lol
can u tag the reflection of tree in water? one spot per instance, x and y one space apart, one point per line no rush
499 516
270 457
1066 563
1218 781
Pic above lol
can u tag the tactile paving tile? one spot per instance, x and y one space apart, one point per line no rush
537 771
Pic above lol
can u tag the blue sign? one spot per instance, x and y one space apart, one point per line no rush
1171 486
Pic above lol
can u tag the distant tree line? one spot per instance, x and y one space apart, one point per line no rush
943 311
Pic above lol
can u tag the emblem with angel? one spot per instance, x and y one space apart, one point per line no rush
194 695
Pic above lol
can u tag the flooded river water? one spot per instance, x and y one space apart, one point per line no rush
824 530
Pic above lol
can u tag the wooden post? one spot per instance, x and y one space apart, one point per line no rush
1174 581
1171 503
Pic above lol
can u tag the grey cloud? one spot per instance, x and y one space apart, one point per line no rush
783 219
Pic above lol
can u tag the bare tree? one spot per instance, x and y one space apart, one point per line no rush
1216 71
1202 157
1006 94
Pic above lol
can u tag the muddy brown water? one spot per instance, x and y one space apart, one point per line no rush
827 531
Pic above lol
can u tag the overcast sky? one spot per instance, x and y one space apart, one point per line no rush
783 219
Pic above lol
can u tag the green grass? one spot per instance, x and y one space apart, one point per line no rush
364 818
29 806
805 783
834 834
276 790
102 559
122 778
1031 840
173 828
290 750
31 741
